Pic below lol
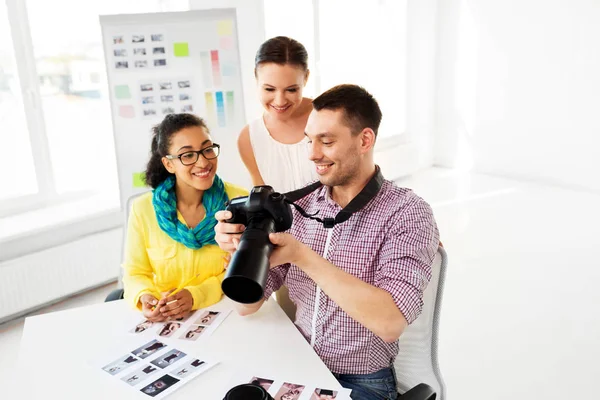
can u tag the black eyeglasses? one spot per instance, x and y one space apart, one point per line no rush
191 157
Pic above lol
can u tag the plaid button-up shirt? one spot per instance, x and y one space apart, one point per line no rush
390 243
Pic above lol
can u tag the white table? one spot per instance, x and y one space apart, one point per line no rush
56 349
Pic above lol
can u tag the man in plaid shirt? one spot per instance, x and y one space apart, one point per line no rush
358 284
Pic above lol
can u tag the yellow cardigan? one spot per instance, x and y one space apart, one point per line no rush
154 263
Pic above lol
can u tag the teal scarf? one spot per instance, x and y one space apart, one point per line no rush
165 206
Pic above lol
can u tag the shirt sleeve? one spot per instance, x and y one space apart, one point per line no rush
275 279
138 274
208 292
406 258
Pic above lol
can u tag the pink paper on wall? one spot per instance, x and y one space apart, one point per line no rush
226 42
126 112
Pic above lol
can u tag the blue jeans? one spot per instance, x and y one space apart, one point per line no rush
380 385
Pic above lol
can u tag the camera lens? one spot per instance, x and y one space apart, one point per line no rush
248 269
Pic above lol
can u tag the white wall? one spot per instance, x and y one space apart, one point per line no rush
519 89
420 65
415 149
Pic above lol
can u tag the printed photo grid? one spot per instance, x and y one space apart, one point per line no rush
131 52
199 324
166 96
156 369
285 390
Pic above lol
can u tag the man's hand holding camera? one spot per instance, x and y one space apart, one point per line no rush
287 250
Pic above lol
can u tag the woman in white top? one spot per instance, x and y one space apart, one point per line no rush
273 147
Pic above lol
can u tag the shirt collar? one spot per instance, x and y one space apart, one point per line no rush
370 190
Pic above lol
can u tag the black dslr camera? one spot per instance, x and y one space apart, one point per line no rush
263 212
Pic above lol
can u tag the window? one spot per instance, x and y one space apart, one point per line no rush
57 133
360 41
296 22
15 142
366 45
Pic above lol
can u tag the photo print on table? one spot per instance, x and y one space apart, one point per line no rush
140 64
168 110
148 349
139 51
139 375
146 87
159 385
147 100
160 62
184 96
193 333
324 394
121 65
169 328
118 39
120 52
138 39
189 368
158 50
187 108
149 112
168 358
289 391
157 37
207 317
165 85
183 84
142 326
120 364
166 98
263 382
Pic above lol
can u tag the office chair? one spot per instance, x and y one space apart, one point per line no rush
417 361
117 294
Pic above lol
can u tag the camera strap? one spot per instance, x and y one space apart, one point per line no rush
369 191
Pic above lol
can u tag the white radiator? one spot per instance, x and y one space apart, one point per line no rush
39 278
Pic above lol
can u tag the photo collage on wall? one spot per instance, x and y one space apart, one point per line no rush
166 96
139 51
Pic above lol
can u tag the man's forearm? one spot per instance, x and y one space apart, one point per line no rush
247 309
371 306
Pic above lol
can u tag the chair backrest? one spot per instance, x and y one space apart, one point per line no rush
126 214
417 360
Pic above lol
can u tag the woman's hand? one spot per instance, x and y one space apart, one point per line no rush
150 309
176 306
227 235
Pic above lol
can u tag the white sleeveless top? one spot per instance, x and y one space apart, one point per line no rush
285 167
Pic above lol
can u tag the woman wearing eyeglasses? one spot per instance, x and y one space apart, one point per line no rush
170 234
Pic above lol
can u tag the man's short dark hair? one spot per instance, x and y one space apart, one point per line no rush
359 107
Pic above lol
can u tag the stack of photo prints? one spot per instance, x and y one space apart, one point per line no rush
156 369
201 323
139 51
282 390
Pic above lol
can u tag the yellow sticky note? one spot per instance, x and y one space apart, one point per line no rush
181 49
139 180
225 27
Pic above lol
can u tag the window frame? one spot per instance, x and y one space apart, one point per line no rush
46 195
